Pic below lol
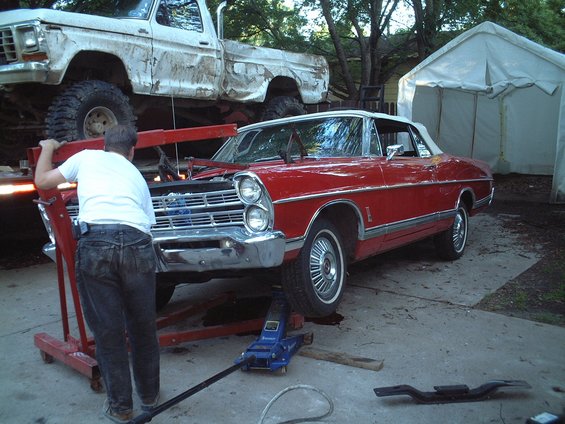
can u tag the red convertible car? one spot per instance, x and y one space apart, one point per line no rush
308 195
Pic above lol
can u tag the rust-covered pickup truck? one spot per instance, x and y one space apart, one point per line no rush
81 67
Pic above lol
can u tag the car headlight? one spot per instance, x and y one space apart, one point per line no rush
29 39
258 212
257 218
249 190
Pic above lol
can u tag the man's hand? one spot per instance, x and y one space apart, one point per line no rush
45 176
51 143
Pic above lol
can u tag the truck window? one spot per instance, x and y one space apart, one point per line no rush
182 14
135 9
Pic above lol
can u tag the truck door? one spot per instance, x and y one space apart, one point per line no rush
187 58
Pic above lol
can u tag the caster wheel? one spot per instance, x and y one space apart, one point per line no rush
96 385
48 359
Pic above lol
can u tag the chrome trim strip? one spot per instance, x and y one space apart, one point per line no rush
298 242
385 229
381 230
486 201
368 189
295 243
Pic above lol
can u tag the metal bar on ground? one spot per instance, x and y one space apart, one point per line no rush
62 295
147 416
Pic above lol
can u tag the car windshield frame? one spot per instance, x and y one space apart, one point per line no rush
320 137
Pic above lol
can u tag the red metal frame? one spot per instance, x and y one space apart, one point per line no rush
79 353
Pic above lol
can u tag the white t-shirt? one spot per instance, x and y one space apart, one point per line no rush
111 190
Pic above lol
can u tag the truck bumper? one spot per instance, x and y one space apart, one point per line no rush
23 72
216 250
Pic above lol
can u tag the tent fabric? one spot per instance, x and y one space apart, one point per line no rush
493 95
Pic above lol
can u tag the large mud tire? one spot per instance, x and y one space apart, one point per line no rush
281 107
86 110
314 283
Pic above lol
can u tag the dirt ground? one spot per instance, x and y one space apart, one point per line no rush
520 201
537 294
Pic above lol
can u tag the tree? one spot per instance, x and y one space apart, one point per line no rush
264 23
542 21
362 55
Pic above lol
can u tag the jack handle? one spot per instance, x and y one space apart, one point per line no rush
148 416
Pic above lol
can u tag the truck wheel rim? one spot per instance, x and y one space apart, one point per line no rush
97 121
324 268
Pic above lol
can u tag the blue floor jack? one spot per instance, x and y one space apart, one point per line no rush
272 350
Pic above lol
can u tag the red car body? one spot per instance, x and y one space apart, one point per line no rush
304 196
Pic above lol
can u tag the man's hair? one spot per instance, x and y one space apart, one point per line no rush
120 139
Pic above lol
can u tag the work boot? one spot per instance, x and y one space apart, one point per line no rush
148 407
117 417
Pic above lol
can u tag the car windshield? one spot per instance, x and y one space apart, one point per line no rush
136 9
327 137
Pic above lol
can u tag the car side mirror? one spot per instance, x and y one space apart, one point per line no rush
394 150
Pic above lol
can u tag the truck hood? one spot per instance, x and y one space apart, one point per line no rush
57 17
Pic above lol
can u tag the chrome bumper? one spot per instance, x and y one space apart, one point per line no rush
217 249
49 250
212 250
23 72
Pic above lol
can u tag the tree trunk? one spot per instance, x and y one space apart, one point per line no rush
340 52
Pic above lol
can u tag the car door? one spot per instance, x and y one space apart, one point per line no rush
410 178
187 59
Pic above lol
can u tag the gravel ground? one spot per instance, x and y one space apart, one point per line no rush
537 294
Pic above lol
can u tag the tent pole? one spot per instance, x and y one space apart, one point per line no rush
476 96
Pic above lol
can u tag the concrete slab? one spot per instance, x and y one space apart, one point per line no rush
493 257
405 308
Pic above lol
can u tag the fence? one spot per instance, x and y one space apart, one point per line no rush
373 106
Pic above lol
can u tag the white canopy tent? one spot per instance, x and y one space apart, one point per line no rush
493 95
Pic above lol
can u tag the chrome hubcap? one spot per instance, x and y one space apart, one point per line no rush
459 231
324 269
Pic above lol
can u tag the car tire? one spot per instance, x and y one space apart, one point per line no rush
281 107
314 283
86 110
163 295
450 244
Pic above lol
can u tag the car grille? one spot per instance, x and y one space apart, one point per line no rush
176 210
7 46
72 209
197 210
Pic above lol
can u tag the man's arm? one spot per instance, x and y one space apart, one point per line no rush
45 176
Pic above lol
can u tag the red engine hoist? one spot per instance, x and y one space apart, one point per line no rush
79 352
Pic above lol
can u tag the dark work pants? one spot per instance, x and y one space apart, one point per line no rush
115 268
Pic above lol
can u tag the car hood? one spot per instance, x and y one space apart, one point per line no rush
311 176
79 20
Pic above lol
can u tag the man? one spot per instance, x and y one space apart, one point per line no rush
115 264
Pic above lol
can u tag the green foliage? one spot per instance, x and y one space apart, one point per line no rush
267 23
557 295
542 21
